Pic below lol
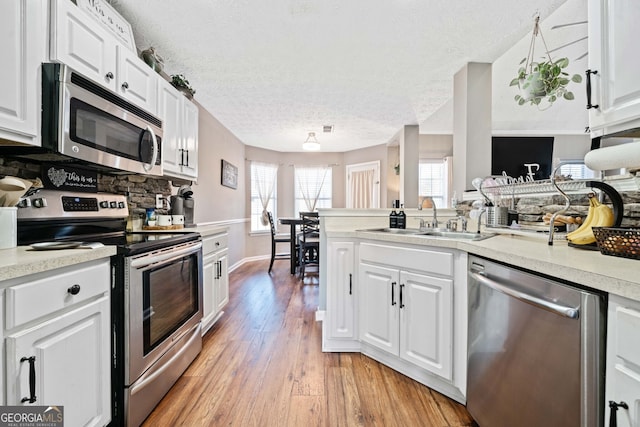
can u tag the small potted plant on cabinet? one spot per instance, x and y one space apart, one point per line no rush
180 82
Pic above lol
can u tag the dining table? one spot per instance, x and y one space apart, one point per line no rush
293 222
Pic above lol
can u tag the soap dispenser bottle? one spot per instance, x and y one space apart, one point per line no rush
402 218
393 217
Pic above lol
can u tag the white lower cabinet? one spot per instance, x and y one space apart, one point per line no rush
61 357
215 292
408 309
623 361
340 327
409 315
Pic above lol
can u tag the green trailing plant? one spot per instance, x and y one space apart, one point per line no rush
544 80
179 81
542 83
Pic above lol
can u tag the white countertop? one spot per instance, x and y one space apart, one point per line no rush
611 274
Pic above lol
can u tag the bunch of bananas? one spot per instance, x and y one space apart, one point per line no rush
599 215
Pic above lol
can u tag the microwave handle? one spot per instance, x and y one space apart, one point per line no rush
154 157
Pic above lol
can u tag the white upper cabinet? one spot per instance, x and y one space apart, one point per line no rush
23 48
180 132
80 42
613 57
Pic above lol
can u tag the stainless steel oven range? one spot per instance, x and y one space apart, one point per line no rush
156 294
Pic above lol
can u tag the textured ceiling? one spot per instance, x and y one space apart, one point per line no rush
272 71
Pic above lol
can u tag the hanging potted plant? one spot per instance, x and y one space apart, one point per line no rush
544 82
180 82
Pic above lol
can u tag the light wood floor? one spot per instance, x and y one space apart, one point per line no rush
262 365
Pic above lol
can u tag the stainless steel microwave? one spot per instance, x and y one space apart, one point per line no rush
84 121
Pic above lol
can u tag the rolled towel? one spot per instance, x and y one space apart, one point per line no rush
614 157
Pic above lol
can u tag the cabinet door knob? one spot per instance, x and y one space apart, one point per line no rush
613 417
74 290
109 75
125 85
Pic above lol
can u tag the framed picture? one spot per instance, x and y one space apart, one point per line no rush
109 18
229 175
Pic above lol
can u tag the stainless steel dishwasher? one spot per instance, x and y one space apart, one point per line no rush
536 349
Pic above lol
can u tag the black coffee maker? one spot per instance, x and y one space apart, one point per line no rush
183 204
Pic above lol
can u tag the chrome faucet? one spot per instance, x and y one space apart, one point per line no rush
463 222
434 221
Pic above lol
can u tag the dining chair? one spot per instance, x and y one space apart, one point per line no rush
277 238
309 241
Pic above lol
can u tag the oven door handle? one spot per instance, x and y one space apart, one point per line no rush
570 312
147 260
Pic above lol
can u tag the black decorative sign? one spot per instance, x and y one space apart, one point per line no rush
69 178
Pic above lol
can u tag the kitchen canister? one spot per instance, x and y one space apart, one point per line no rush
497 216
8 227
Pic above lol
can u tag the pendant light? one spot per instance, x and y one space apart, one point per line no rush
311 144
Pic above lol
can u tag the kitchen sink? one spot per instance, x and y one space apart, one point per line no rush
442 233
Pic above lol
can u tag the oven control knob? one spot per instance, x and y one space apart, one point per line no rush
104 204
40 202
113 205
120 205
24 203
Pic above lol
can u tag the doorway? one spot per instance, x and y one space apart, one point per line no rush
363 185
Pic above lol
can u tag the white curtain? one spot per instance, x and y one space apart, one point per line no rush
264 178
362 189
310 181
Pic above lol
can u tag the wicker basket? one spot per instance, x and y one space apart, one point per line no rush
622 242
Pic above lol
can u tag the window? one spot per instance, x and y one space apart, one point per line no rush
432 180
264 181
312 188
577 171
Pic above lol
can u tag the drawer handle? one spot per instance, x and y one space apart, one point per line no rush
109 75
74 290
217 243
32 379
125 85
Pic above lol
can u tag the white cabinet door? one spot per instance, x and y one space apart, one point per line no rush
72 364
341 299
170 112
623 360
180 129
613 53
221 290
136 81
426 322
23 35
209 270
80 42
378 291
190 141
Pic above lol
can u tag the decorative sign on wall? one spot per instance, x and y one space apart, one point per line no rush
68 178
107 16
229 175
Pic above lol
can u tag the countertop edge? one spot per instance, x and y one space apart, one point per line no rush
586 268
23 261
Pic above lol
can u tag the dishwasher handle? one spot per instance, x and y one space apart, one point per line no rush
570 312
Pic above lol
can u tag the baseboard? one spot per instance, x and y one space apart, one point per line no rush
246 260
